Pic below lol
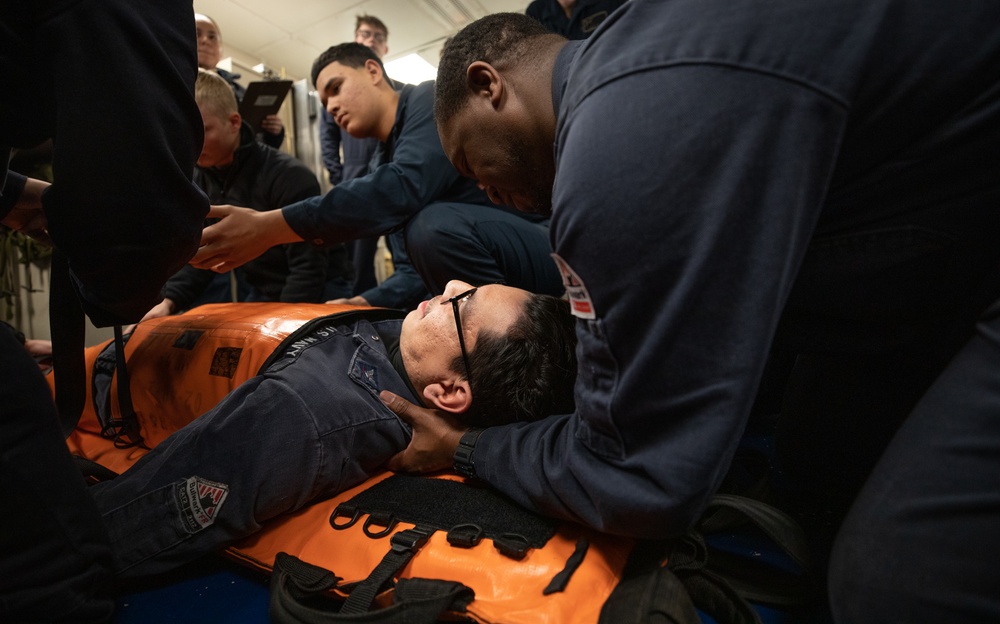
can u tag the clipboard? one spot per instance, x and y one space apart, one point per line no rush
263 98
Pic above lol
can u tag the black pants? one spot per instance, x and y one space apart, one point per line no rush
481 245
922 542
55 559
876 315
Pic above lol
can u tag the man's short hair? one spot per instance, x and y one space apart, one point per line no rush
502 39
212 92
527 372
348 54
372 22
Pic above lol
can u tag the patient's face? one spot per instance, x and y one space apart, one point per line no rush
429 338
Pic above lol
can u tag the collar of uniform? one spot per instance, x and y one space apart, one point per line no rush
391 342
560 71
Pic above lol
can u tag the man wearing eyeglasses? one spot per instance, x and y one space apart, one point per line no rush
451 227
312 424
371 32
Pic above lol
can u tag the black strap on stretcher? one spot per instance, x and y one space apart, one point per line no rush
124 430
468 514
68 329
295 584
403 546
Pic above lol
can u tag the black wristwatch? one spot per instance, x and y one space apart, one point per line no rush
464 464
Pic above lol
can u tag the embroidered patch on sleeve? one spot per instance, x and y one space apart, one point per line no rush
579 299
199 501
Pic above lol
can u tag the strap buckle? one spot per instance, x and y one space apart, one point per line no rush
408 540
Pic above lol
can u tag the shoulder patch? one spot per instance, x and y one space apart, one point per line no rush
579 299
199 501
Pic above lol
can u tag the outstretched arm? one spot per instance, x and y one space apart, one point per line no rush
241 235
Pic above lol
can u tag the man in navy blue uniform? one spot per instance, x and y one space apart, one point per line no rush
451 231
113 87
312 424
358 152
806 198
573 19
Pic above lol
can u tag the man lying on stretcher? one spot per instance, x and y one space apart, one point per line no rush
312 424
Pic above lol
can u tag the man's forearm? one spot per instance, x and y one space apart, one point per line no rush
278 229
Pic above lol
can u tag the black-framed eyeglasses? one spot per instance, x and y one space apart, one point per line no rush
377 36
454 301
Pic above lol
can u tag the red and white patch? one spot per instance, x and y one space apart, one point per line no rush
200 501
579 299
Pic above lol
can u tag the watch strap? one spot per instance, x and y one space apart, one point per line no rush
463 460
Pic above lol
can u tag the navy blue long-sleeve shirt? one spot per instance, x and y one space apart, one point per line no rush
758 135
411 173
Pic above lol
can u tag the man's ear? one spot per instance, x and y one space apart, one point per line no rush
451 395
485 81
235 121
374 70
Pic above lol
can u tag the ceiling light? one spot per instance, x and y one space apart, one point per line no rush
412 69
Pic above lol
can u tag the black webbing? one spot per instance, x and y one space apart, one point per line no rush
125 429
444 504
560 580
68 331
404 545
297 587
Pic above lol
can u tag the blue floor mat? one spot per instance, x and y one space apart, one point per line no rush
211 591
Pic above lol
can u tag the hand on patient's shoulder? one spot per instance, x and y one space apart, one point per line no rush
435 436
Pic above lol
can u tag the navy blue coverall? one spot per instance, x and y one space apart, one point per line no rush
309 426
812 199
